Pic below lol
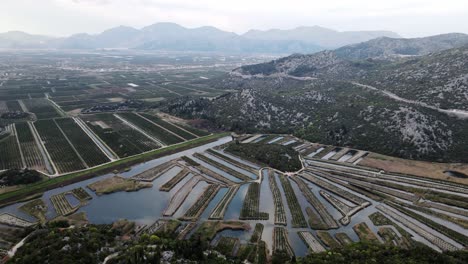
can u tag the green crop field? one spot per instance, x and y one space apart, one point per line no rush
87 149
60 150
32 154
159 133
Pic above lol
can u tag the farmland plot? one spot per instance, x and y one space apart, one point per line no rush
10 155
32 154
122 139
61 152
61 204
42 108
250 207
85 146
175 129
163 135
13 106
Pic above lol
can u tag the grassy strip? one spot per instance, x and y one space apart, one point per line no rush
220 209
36 208
280 213
208 229
222 167
343 238
328 240
12 196
456 220
459 237
281 241
226 245
250 207
324 220
247 251
257 234
378 219
365 233
117 184
174 180
232 161
190 161
202 202
81 194
262 252
298 219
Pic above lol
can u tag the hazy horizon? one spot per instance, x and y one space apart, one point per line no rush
414 18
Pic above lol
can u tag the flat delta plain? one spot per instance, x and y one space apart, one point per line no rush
84 112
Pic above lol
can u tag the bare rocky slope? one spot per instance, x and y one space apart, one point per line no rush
410 107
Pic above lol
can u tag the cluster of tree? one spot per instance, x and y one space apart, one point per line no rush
385 254
93 243
14 115
113 107
16 176
280 157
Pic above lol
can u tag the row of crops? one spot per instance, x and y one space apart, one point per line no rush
31 152
220 209
61 204
166 187
70 148
41 107
87 149
60 151
202 202
122 139
222 167
298 219
158 132
10 155
250 207
174 128
280 213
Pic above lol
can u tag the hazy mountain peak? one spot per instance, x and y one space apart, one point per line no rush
317 35
163 26
171 36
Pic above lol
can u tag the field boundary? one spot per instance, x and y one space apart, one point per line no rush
10 197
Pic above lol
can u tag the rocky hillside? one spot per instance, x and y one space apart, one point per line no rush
386 47
397 107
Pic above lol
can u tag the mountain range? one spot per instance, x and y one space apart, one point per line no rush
173 37
406 98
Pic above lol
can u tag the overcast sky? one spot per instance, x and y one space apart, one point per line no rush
409 18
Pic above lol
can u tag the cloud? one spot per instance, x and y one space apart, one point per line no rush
410 17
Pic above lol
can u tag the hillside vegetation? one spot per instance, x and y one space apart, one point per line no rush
391 106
